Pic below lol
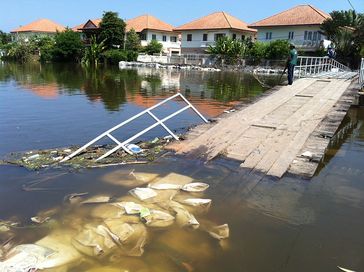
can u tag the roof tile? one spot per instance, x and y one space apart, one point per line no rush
217 20
299 15
42 25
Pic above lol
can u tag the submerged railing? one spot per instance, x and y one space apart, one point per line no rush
315 66
148 111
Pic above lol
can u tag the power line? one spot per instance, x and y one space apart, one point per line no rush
351 5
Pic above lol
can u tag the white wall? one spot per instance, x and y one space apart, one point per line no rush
197 37
281 33
168 46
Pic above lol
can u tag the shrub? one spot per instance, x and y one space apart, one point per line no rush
154 47
132 41
229 50
114 56
277 50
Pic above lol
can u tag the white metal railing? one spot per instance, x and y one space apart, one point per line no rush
361 74
313 66
147 111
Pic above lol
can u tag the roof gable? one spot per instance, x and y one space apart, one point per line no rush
144 22
299 15
42 25
217 20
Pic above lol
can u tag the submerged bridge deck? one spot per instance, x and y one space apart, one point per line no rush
287 130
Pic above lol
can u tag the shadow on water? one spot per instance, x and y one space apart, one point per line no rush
288 225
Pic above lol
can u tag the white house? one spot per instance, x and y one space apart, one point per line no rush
151 28
300 25
199 34
38 28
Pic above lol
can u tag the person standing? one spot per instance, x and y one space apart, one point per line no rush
291 63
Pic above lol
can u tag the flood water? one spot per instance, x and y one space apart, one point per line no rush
288 225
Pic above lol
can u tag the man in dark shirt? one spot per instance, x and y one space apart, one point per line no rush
291 63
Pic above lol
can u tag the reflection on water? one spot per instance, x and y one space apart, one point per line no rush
287 225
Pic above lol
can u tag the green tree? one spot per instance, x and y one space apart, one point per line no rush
345 30
154 47
132 41
45 47
68 46
5 38
93 52
112 30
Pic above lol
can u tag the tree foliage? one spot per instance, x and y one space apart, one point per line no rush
5 38
229 50
93 52
132 41
345 29
68 46
112 30
154 47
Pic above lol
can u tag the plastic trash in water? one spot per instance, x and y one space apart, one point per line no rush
134 148
195 187
33 157
143 193
345 269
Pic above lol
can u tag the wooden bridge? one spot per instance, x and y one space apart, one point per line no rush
288 129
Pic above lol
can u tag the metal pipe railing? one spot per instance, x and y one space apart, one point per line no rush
147 111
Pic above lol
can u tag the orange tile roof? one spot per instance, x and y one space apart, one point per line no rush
147 22
42 25
299 15
217 20
78 28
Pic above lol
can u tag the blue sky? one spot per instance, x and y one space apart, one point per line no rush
75 12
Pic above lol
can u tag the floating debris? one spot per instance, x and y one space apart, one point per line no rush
142 153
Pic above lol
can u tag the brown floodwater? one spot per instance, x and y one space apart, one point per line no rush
292 224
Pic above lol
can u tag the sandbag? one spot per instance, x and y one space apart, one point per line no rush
195 187
158 219
129 179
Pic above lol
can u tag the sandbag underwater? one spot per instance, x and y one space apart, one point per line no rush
119 225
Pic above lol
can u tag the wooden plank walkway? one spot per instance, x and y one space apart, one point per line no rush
270 135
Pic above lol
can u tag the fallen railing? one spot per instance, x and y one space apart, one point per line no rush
148 111
315 66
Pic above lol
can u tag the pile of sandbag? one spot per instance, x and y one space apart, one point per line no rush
119 225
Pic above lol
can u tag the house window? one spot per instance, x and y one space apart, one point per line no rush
315 36
154 37
319 36
268 35
234 36
309 37
290 35
242 37
173 39
219 36
143 36
164 38
189 37
205 37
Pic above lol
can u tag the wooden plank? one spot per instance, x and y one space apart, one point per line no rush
228 130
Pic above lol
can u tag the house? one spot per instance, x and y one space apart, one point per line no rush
39 28
151 28
147 26
299 25
199 34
